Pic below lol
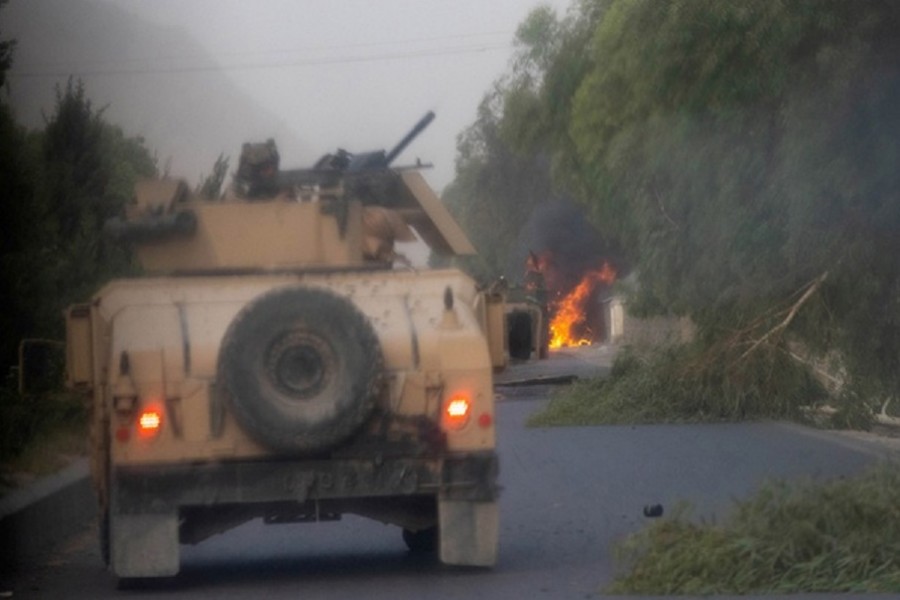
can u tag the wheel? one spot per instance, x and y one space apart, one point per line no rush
424 541
302 367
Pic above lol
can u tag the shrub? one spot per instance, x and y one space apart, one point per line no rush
842 536
685 383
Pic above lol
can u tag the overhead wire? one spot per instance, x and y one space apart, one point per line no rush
63 69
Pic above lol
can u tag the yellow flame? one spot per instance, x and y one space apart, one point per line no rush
570 311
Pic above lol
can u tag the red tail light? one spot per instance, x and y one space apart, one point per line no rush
150 422
457 411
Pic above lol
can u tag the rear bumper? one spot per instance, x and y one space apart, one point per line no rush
161 488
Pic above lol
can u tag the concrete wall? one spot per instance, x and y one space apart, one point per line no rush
625 329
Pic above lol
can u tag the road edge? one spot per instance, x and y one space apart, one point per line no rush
35 518
863 442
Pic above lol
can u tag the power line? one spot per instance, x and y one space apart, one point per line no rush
61 71
277 51
433 39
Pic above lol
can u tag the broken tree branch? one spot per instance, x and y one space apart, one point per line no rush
662 209
810 290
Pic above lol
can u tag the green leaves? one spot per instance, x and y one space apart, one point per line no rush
62 183
6 53
495 190
838 536
506 158
212 186
736 150
740 148
688 384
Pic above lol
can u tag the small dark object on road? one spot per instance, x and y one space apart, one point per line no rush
653 510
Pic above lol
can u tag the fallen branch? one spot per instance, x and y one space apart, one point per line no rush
810 290
662 209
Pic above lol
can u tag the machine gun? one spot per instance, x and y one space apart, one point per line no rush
359 172
381 159
339 178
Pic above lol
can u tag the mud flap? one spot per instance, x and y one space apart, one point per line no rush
144 545
468 532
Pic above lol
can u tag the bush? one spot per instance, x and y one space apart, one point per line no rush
842 536
686 384
24 418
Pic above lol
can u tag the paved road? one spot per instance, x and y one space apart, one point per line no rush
569 493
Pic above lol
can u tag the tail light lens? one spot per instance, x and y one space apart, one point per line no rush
457 411
150 421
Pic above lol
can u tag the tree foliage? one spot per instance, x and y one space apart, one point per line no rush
787 538
211 186
61 184
495 191
742 153
747 149
504 166
6 53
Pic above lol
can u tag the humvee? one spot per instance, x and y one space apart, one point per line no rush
276 363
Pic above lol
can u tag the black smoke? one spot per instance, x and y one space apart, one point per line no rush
559 232
560 242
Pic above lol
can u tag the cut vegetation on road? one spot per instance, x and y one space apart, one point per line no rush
842 536
684 384
837 536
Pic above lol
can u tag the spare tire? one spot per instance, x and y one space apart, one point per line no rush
302 367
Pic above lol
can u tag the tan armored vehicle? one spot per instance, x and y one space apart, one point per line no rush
276 364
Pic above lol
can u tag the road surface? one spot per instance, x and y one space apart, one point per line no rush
568 495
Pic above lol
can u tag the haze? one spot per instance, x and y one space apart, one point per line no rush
199 77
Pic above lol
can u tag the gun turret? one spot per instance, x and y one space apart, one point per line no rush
379 159
382 159
413 134
360 167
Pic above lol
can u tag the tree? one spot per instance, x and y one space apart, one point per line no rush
22 228
6 53
62 184
211 187
744 154
504 167
494 192
90 169
550 63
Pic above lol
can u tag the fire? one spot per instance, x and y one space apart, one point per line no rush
567 326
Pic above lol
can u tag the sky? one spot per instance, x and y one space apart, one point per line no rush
197 78
354 74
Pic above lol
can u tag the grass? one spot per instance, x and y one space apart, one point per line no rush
49 452
842 536
39 434
682 384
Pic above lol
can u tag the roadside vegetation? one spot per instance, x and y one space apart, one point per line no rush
40 434
60 183
842 536
677 385
741 158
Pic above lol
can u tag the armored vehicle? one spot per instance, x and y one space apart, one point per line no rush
277 362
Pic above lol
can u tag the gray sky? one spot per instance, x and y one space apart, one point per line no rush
203 76
351 73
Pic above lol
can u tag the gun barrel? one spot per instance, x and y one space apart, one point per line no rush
413 133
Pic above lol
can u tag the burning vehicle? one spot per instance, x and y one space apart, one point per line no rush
558 304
